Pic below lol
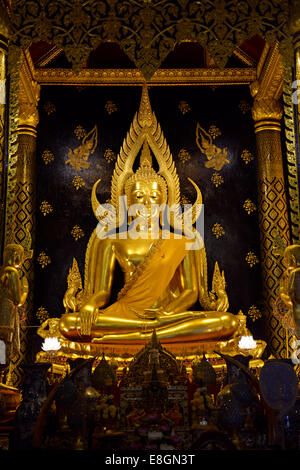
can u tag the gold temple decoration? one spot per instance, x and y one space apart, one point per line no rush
110 107
254 313
216 157
218 230
49 107
80 132
148 31
249 206
247 156
74 293
78 158
78 182
251 259
217 179
128 77
244 106
109 155
184 107
77 232
46 208
43 259
214 131
47 156
184 156
42 314
267 112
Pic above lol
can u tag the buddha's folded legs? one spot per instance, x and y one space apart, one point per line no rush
186 326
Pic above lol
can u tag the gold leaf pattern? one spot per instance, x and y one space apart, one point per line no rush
251 259
247 156
43 259
217 179
184 156
184 107
218 230
46 208
42 314
244 106
110 107
214 131
77 232
49 107
254 313
80 132
47 156
109 155
249 206
78 182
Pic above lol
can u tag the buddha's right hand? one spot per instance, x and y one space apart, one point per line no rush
87 319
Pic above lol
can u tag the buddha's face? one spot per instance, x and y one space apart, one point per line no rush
146 193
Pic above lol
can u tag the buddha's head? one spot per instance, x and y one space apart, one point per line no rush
13 255
146 187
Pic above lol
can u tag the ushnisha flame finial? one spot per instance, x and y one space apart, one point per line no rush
145 114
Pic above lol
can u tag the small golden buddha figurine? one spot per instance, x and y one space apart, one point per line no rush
13 294
163 276
290 283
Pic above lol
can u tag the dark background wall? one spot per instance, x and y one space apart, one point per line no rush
63 109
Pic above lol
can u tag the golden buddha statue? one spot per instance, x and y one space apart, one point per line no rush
290 284
13 294
164 274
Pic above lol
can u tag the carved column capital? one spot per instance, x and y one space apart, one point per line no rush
29 94
266 90
28 118
267 113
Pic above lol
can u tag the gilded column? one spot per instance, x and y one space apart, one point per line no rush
273 212
3 73
23 224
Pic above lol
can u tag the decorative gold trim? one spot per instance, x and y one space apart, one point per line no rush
14 65
244 57
112 77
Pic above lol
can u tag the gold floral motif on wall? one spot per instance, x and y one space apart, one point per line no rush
184 156
184 107
47 156
77 232
110 107
247 156
254 313
214 131
217 179
43 259
78 182
109 155
251 259
216 157
80 132
42 314
78 158
46 208
249 206
49 107
244 106
218 230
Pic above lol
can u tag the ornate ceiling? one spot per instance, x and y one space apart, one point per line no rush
147 30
